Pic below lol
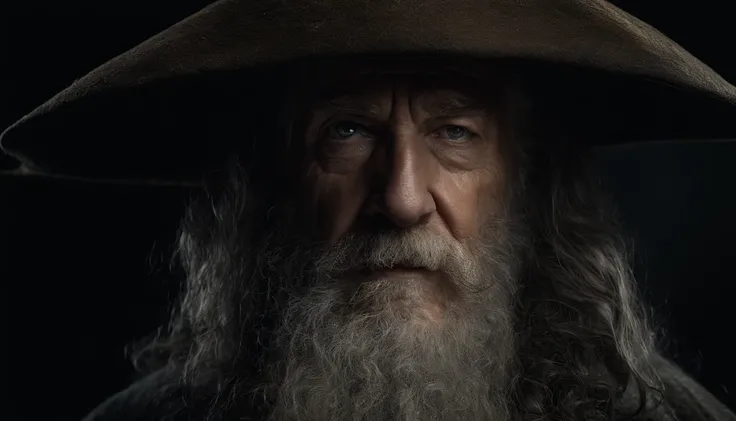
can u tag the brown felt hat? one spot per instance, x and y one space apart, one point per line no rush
140 115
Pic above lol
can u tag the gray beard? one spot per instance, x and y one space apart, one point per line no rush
351 350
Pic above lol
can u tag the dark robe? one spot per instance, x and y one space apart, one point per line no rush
160 397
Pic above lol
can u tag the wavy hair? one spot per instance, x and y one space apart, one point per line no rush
584 338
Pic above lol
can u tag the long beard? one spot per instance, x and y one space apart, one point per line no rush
279 328
345 349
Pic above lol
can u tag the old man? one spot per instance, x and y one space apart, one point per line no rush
397 220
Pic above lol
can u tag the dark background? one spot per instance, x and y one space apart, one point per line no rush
85 268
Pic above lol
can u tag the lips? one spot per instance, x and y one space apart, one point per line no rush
399 272
392 268
405 267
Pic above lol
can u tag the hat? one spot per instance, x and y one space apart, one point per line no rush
152 112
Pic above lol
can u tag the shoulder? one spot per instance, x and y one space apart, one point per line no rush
689 400
158 396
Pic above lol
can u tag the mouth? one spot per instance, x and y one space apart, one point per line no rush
399 273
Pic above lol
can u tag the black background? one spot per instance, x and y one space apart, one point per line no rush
85 269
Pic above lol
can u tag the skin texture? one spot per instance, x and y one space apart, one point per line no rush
390 265
406 155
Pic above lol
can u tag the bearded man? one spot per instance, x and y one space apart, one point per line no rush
385 236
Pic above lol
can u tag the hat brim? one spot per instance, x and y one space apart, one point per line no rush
147 114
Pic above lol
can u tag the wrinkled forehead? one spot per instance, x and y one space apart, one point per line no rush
443 81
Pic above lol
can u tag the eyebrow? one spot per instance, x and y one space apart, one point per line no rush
455 105
347 104
441 105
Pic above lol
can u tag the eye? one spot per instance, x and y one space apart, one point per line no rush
344 130
455 133
344 141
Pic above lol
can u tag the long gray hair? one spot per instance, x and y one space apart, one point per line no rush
583 333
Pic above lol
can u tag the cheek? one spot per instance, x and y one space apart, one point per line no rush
460 196
470 198
491 194
335 200
492 189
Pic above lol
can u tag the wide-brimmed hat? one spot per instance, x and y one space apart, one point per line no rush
152 112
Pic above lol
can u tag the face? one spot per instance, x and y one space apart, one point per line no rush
403 154
386 288
396 256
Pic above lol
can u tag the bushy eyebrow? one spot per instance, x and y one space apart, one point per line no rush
345 104
435 105
455 105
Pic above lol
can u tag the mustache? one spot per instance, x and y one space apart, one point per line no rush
414 248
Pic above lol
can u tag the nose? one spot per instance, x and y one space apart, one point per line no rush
403 190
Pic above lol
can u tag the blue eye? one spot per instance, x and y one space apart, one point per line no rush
344 130
455 133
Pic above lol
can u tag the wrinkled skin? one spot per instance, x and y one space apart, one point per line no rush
429 255
402 156
402 184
